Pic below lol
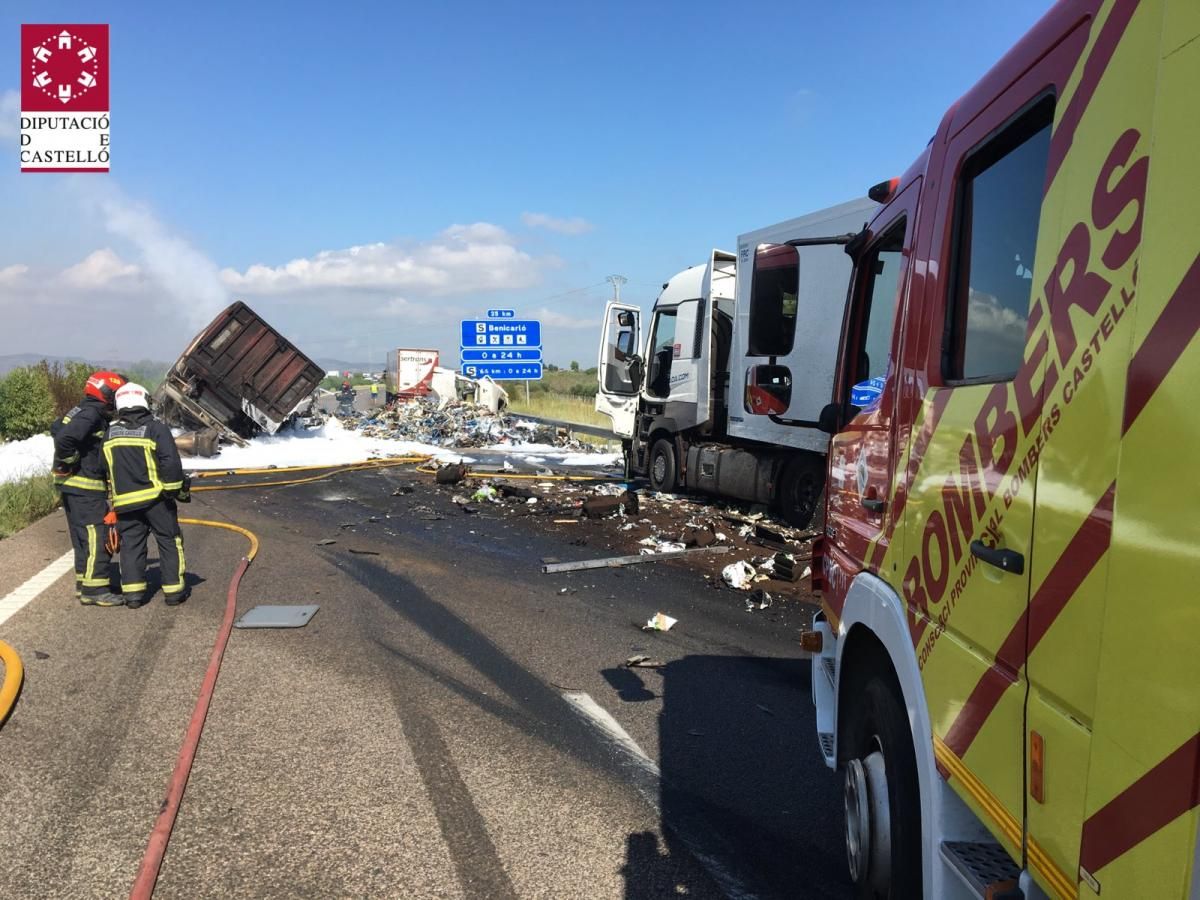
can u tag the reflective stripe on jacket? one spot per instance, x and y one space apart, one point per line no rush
142 461
78 467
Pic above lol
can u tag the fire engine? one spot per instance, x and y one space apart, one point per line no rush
1005 665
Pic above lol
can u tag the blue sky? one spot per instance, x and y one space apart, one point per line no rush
483 154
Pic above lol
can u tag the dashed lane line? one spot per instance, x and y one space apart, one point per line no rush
719 861
35 585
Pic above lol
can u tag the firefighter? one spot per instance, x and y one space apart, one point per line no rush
147 478
80 478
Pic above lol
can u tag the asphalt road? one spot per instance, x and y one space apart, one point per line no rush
438 730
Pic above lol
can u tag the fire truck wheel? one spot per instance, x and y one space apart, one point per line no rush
662 466
800 491
883 814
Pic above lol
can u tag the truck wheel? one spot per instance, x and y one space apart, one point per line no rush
882 797
800 491
662 466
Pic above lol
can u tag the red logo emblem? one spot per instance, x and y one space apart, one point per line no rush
64 68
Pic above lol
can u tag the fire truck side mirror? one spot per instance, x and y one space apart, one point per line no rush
835 415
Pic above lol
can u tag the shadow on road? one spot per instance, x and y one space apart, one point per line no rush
742 785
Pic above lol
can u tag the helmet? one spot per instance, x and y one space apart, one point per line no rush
132 396
103 386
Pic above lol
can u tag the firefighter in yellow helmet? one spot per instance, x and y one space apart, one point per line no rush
147 478
80 478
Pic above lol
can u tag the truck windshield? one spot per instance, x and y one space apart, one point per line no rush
664 350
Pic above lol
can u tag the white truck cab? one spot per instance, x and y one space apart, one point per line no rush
723 391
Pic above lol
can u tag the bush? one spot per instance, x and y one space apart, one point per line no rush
24 502
65 384
26 405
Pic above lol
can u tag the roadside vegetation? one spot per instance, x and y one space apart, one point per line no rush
24 502
568 395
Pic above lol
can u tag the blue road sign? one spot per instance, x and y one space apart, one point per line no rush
471 354
502 313
481 333
504 371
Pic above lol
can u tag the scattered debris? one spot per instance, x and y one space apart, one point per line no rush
266 616
451 473
659 622
760 599
625 503
739 575
458 423
766 709
515 490
325 542
40 654
644 662
784 565
363 552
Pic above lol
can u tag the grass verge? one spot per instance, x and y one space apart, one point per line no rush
24 502
564 407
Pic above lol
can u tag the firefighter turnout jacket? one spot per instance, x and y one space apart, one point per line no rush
142 461
78 467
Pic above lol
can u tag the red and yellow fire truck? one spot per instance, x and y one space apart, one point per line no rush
1007 664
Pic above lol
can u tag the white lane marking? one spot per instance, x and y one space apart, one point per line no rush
610 728
35 585
647 780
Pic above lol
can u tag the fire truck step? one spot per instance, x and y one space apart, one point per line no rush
984 866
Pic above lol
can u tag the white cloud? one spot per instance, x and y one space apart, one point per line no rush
460 260
417 313
14 274
985 314
10 116
556 319
574 225
101 270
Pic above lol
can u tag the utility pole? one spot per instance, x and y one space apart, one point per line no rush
616 281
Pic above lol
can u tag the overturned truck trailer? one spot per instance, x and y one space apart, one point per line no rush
240 377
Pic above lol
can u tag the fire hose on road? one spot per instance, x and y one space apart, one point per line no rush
14 677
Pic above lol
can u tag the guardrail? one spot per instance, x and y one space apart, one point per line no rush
593 430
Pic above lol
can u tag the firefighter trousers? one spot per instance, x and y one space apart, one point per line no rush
135 527
85 522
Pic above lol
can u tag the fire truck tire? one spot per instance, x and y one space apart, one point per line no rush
800 490
883 806
662 466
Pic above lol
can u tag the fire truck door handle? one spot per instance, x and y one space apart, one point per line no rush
1006 560
874 505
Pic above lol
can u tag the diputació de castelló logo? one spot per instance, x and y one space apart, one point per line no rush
64 98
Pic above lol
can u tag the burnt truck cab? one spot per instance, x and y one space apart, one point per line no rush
723 392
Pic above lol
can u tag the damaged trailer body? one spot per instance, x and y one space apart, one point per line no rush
240 377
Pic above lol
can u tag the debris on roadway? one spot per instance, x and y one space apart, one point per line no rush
659 622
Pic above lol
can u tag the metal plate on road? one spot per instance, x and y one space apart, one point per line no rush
470 355
514 371
478 333
277 617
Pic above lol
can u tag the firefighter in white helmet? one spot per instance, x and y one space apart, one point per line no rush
146 478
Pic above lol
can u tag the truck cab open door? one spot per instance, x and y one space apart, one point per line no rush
620 369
